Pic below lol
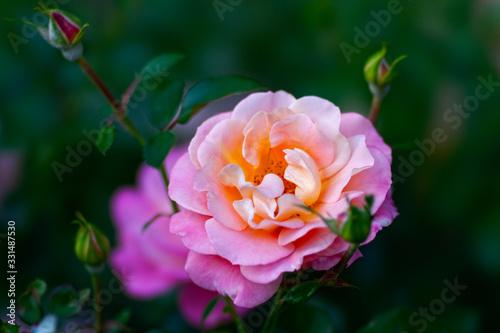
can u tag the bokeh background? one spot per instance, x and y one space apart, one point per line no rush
449 223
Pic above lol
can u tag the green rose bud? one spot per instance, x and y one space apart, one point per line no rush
378 73
355 225
91 245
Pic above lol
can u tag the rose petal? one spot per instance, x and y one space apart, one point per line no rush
217 274
303 172
191 228
354 124
247 247
181 188
299 131
315 240
201 134
265 101
360 159
219 198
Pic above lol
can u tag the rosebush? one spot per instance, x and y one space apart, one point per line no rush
246 176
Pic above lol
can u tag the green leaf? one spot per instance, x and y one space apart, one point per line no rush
302 292
160 65
105 139
304 318
166 104
8 328
157 148
29 308
65 301
399 320
211 89
208 309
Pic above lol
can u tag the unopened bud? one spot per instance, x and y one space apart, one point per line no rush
63 32
379 73
91 245
355 225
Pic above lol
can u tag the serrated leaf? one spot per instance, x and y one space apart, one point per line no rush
160 65
157 148
65 301
208 309
302 292
210 89
29 308
305 318
105 139
166 104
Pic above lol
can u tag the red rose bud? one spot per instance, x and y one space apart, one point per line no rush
378 73
91 245
356 224
64 32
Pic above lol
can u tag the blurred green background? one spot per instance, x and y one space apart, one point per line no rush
449 213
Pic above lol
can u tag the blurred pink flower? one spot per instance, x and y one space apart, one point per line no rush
151 262
248 172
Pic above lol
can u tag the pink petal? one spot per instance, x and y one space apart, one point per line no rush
316 240
265 101
354 124
191 228
303 172
374 181
360 159
383 217
219 198
247 247
181 188
224 142
192 303
288 236
217 274
256 134
201 134
299 131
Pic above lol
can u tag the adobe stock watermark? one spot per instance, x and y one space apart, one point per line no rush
453 116
223 6
420 320
28 32
373 28
74 156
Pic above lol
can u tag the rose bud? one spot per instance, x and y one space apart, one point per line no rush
64 32
355 225
378 73
91 245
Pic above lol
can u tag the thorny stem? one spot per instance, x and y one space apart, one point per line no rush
119 109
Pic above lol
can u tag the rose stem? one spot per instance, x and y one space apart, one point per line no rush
96 285
119 110
375 108
234 315
347 256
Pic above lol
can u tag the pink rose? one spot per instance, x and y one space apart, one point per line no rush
247 173
151 262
